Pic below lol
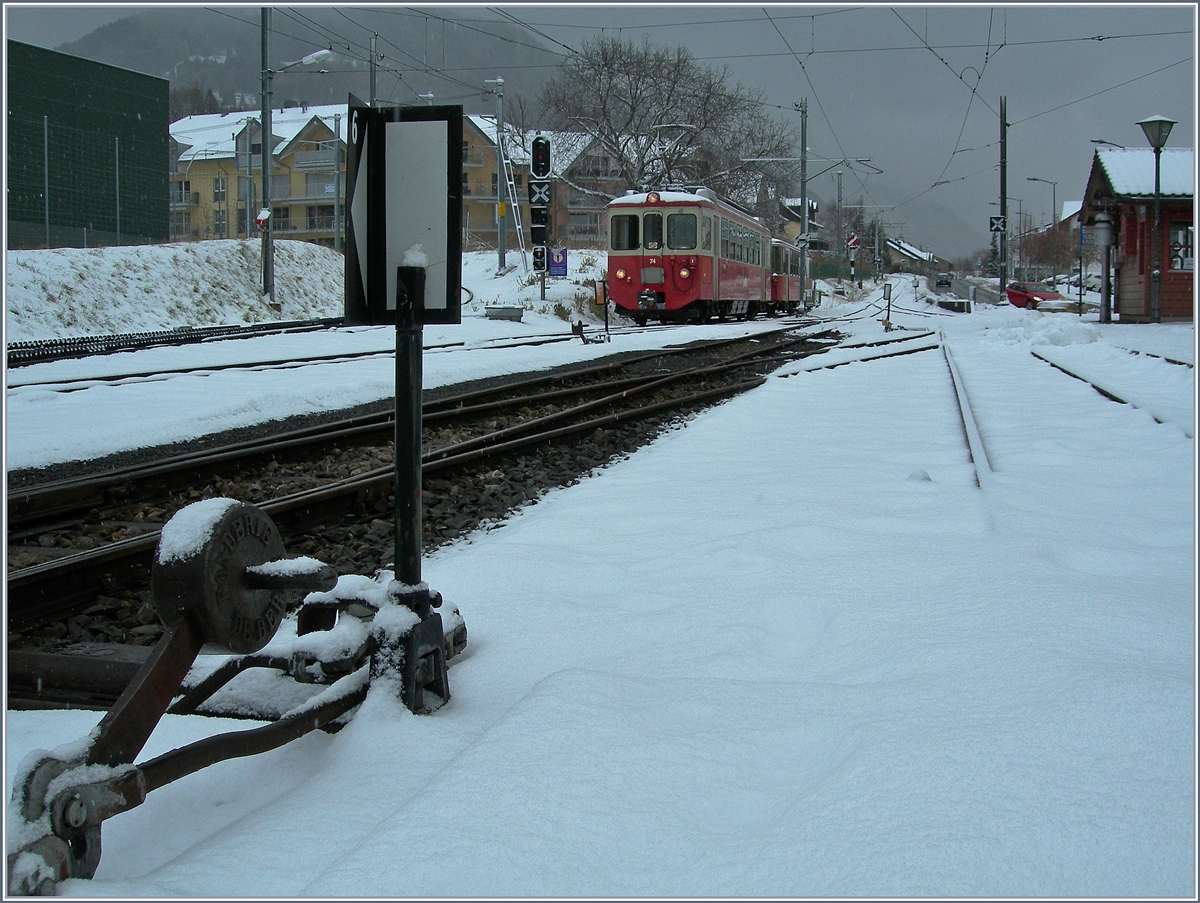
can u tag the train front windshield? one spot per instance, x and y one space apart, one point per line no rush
681 231
623 232
632 232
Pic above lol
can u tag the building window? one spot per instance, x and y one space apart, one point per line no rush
1180 249
320 218
219 188
585 224
466 184
181 224
219 223
597 166
247 188
319 184
282 217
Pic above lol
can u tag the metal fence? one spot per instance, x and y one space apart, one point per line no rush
69 187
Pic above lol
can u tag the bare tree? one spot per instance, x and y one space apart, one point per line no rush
668 120
1053 249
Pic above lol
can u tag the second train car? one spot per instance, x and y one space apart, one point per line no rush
685 256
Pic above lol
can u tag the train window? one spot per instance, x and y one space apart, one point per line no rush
652 231
623 232
705 233
681 231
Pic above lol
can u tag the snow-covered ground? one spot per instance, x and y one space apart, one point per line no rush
793 648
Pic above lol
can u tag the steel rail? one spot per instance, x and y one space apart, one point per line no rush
19 354
1108 391
975 444
34 508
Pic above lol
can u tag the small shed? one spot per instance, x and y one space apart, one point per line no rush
1121 184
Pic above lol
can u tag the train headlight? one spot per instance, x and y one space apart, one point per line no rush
653 197
621 274
684 273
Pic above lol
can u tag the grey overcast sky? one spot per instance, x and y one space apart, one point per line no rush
914 88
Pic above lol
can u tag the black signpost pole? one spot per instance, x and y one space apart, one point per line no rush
410 298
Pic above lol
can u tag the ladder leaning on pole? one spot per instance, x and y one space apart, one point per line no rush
516 206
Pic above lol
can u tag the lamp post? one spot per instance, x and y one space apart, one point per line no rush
268 223
1053 197
1157 128
501 182
1053 244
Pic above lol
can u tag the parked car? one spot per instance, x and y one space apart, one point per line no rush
943 279
1030 295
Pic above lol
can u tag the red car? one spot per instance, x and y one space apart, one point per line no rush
1031 294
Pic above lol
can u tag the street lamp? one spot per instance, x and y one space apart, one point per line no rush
265 218
501 183
1107 143
1157 128
1053 196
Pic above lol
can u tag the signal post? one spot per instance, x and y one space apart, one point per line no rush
539 205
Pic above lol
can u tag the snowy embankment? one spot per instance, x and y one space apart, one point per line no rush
69 292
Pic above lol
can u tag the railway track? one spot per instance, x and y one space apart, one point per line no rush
1164 392
118 514
83 673
20 354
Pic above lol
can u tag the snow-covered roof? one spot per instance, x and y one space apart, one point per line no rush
1130 171
565 147
667 197
798 204
903 247
212 135
1069 209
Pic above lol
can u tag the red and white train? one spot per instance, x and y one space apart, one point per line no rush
680 256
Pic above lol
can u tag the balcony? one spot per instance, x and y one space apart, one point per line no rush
315 160
185 198
475 159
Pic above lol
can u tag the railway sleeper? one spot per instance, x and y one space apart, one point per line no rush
220 576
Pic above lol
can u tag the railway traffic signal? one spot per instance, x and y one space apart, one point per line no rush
539 222
540 165
539 203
